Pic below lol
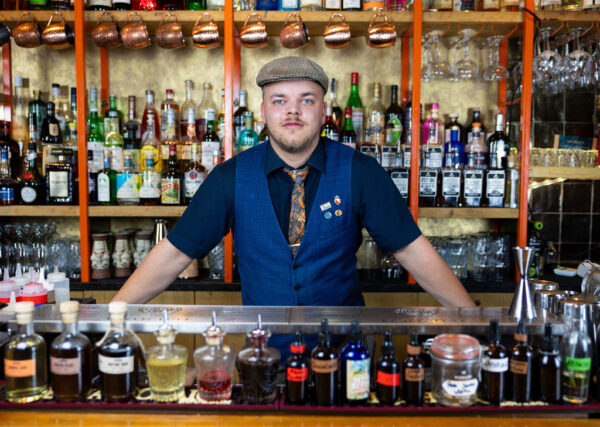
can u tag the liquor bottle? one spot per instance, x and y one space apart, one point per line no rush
329 128
214 365
473 179
512 183
475 121
169 137
210 140
99 5
113 115
355 103
441 5
495 186
131 137
477 149
194 175
336 111
571 5
70 134
7 183
332 5
188 140
220 121
413 383
324 365
129 182
38 4
247 138
60 179
188 105
106 182
548 364
113 144
50 133
394 117
355 368
167 105
387 378
150 188
121 4
25 364
463 5
258 366
195 4
520 366
33 190
204 105
14 151
170 183
453 124
576 354
376 118
456 148
373 6
144 5
428 187
494 366
95 140
166 364
288 5
150 145
311 5
490 5
19 113
449 193
238 117
499 145
296 385
38 108
348 136
351 5
433 150
70 358
118 357
147 109
400 176
60 108
551 4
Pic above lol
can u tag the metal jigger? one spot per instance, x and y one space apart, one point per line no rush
522 306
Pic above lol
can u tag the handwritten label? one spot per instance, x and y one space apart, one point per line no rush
64 366
19 368
115 365
324 366
495 365
459 388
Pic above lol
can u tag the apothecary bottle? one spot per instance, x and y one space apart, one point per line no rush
214 366
521 356
387 377
494 367
70 358
576 354
324 365
413 383
296 372
355 365
548 365
25 363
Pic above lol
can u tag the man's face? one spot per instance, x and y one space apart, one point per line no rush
294 112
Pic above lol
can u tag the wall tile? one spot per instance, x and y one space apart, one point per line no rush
575 228
579 106
577 197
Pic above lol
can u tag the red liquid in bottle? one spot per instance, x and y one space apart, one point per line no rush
215 385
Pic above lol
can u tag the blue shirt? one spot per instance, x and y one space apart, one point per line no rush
377 204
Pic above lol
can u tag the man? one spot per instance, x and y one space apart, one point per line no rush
296 206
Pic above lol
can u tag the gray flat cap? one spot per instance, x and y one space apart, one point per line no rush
292 68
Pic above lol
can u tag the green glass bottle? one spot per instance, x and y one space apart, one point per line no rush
113 114
248 138
195 4
95 141
355 103
106 182
37 107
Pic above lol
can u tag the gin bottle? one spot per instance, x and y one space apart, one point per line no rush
576 354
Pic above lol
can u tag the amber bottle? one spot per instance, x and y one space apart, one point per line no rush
413 384
494 367
296 370
521 356
324 364
548 361
388 373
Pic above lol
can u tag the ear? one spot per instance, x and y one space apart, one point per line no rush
262 112
324 115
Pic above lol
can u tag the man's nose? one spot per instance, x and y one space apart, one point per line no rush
293 108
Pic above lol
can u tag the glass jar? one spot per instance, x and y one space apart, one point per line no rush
456 365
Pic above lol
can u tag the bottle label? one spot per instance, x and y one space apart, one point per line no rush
435 157
150 188
546 3
400 178
492 4
96 160
116 365
427 183
357 113
103 187
116 158
184 152
150 152
390 380
377 123
289 4
451 183
324 366
332 134
208 149
460 388
396 125
473 183
193 181
65 366
297 374
370 150
58 183
389 156
496 181
414 374
332 4
19 368
351 4
53 129
578 364
170 191
128 185
357 379
7 195
519 367
106 3
406 156
28 194
495 365
373 5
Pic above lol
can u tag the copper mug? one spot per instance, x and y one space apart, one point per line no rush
205 34
58 35
254 34
169 34
27 33
295 34
381 34
135 34
106 34
337 34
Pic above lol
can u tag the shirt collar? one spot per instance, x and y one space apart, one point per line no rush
316 159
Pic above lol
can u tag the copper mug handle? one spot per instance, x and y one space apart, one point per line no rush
28 33
205 35
106 34
58 35
169 35
337 35
254 37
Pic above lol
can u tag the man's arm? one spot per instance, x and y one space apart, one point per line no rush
433 274
154 275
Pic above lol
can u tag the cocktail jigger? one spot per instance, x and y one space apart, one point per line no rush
522 306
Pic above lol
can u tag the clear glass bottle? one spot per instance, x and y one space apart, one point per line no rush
210 141
169 137
118 357
376 118
61 107
258 366
214 365
204 105
150 188
113 144
150 145
576 355
166 364
166 106
25 363
247 138
147 109
188 108
19 114
70 358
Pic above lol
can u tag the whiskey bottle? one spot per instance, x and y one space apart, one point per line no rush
60 179
494 366
521 356
25 363
118 357
106 182
387 378
475 122
166 365
170 183
296 385
355 365
495 185
210 140
50 133
324 365
450 183
329 128
7 184
413 384
472 183
70 358
548 366
194 175
428 186
32 191
336 111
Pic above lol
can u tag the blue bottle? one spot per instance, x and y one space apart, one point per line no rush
457 147
355 364
266 4
288 4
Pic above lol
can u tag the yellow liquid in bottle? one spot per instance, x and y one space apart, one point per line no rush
167 378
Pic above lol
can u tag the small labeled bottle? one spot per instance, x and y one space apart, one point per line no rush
106 182
166 364
324 365
214 365
170 183
521 356
118 357
150 187
257 366
194 175
494 366
387 377
60 179
576 354
128 182
450 183
413 383
296 372
25 366
355 364
347 135
549 363
70 358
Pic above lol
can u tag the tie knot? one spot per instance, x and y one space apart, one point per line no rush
298 175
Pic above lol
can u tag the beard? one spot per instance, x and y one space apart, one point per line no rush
290 145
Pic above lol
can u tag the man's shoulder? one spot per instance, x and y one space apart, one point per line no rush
225 169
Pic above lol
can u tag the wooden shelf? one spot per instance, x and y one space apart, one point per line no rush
490 23
39 211
468 213
136 211
562 172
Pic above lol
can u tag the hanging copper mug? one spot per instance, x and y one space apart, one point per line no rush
295 34
27 33
254 35
381 34
169 34
58 35
205 34
135 34
106 34
337 34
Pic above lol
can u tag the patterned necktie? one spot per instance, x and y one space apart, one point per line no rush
297 210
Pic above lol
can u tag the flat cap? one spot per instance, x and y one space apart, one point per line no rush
292 68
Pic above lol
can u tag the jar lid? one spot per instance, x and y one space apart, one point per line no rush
455 346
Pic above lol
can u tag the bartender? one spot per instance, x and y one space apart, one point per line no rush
296 206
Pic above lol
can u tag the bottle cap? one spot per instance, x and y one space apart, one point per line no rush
435 106
297 346
354 78
117 307
521 334
170 92
494 332
388 346
413 346
355 331
259 332
214 330
69 307
166 333
454 115
24 307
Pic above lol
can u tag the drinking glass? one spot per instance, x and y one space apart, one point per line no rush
479 247
216 262
439 68
578 64
426 69
548 65
466 68
494 71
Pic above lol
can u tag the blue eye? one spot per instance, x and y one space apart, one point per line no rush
308 101
278 102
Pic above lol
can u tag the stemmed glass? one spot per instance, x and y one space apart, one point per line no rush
548 64
426 70
466 68
596 60
494 71
578 64
438 67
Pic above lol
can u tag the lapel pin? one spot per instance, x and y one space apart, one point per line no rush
337 200
325 206
328 215
338 213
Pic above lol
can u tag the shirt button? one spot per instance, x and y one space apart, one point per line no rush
297 287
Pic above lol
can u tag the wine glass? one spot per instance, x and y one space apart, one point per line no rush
426 69
494 71
548 64
466 68
578 64
439 68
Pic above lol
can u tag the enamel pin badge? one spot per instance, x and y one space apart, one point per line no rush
337 200
325 206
